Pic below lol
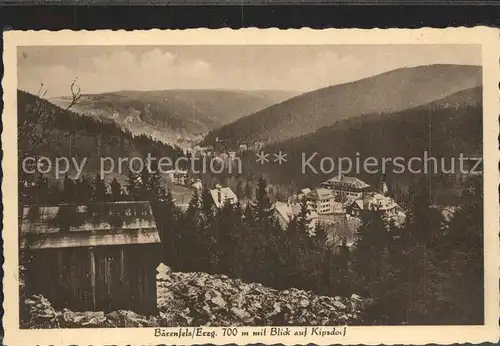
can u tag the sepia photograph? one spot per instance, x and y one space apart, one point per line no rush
180 187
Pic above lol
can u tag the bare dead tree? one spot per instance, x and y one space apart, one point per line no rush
38 122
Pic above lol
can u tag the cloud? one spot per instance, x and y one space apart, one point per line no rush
157 57
327 68
302 68
117 70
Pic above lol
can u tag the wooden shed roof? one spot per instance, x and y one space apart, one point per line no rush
93 224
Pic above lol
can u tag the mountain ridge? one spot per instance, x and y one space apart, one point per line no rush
388 92
443 129
173 115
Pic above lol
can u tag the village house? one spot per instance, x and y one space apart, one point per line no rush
221 195
346 187
354 207
285 212
384 204
97 256
177 176
321 200
377 202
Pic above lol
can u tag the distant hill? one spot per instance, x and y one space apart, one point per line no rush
444 128
276 96
77 136
389 92
468 97
174 116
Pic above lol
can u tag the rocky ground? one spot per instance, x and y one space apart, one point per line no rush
200 299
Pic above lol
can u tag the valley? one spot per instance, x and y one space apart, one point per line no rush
387 93
180 117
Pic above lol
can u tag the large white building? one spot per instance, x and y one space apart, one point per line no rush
321 200
346 187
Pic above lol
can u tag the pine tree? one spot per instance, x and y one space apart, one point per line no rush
68 192
191 238
194 205
344 280
420 224
167 216
134 186
116 190
100 190
262 203
145 185
84 189
209 227
155 185
371 246
249 216
240 190
207 204
227 225
249 190
54 195
303 218
319 234
458 293
423 231
41 190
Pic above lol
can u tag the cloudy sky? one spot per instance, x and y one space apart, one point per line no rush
300 68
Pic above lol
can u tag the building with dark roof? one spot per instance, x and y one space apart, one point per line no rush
97 256
347 187
221 195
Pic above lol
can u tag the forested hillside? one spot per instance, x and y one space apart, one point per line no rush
78 136
174 116
386 93
443 130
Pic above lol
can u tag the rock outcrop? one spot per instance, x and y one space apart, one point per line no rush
200 299
216 300
36 312
39 313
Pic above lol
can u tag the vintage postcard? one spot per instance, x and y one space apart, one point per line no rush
251 186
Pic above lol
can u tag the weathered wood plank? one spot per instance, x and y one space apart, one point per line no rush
90 239
92 278
103 278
